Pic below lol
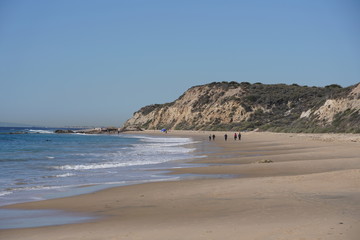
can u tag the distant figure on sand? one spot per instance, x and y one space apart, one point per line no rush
213 137
239 135
235 136
225 136
210 137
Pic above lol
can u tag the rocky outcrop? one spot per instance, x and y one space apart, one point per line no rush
130 129
245 106
108 130
64 131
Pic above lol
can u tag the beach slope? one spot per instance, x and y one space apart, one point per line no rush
269 186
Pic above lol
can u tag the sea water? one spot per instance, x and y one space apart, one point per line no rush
37 164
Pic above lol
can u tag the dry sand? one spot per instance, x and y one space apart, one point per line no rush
310 189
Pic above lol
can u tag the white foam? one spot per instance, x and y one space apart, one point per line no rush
40 131
177 141
39 187
65 175
151 151
104 165
5 193
161 145
139 156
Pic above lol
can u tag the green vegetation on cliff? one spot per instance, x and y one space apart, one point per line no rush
244 106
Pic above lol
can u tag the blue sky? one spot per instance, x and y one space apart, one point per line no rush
95 62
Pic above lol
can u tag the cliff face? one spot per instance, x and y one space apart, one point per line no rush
245 106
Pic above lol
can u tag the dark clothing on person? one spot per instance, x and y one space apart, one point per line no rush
239 135
235 136
225 137
213 136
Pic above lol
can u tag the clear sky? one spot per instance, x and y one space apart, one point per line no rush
95 62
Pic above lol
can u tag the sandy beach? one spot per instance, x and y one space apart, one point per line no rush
268 186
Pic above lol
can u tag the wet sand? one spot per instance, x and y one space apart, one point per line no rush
282 186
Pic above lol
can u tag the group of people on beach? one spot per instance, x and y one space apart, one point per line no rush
236 136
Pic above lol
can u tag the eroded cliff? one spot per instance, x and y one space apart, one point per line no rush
245 106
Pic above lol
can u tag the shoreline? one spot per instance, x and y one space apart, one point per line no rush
309 190
147 172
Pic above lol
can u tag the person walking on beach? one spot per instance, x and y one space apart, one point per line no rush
239 136
225 136
210 137
235 136
213 137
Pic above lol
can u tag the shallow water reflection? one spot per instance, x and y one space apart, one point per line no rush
18 218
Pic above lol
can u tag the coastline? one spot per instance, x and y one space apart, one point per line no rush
308 190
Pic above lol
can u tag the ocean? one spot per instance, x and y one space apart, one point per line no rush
37 164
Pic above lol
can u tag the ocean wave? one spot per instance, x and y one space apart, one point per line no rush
40 131
179 141
137 152
104 165
162 145
4 193
161 152
65 175
39 187
60 175
69 161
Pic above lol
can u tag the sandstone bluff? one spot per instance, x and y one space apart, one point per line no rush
245 106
